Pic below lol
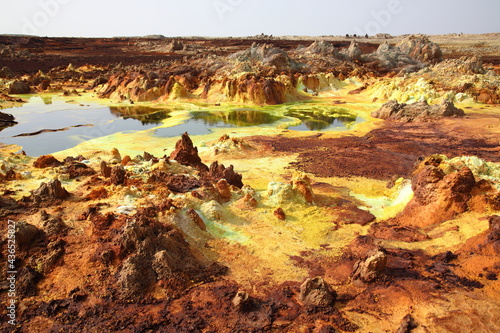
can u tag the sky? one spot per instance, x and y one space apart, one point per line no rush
224 18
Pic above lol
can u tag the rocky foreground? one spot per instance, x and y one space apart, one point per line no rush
392 228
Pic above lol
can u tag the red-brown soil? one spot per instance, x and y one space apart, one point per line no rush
393 149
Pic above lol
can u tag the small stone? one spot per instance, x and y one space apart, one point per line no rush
317 292
280 214
242 301
371 268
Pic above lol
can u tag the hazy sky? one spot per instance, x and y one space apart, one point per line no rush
106 18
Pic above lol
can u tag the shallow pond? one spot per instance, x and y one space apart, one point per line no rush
47 125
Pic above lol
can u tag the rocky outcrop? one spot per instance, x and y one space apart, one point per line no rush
187 154
6 72
353 52
175 45
390 58
218 171
494 232
26 234
317 292
420 111
105 170
322 48
6 120
48 193
262 55
76 169
419 47
371 268
118 175
19 88
175 183
441 193
46 161
158 253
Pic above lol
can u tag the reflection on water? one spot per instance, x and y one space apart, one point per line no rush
202 121
237 118
47 100
146 115
65 120
70 124
321 118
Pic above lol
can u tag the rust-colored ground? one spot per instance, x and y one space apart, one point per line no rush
393 149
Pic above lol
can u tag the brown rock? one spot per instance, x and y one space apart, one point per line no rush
26 234
437 197
242 301
371 268
115 156
105 169
494 232
6 72
52 190
280 214
196 219
219 171
147 156
159 252
305 189
353 53
136 276
52 225
175 183
19 88
7 203
224 189
186 154
353 214
317 292
247 202
407 324
46 161
76 169
118 175
420 111
6 119
97 193
44 84
126 160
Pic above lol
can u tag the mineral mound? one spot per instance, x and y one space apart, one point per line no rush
420 111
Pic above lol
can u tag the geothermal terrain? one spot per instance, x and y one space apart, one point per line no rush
290 184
